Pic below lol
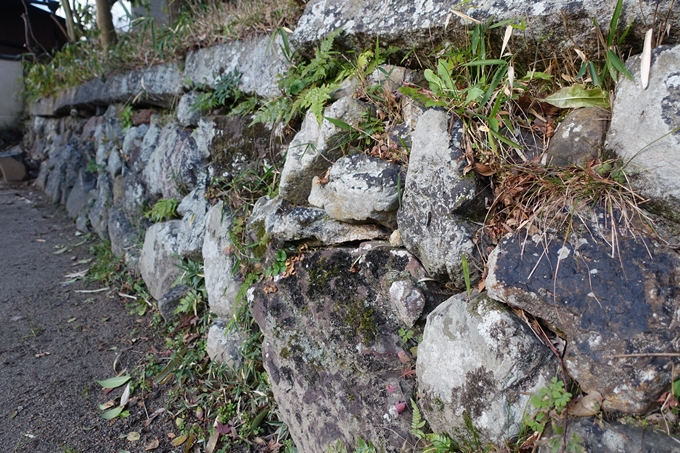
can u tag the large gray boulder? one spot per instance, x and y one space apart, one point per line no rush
314 149
158 261
281 222
332 350
221 281
259 61
360 189
175 163
477 357
615 308
439 201
424 24
644 130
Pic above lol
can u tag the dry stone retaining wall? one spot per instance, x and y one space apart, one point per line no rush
337 364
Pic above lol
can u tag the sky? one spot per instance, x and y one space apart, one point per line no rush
120 19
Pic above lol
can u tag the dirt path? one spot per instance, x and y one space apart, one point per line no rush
55 341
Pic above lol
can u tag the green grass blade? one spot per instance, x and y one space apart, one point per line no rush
615 61
614 22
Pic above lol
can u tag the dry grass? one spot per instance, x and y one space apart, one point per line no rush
542 199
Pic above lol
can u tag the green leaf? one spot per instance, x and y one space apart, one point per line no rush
490 62
614 22
341 124
113 413
615 61
676 388
115 382
577 96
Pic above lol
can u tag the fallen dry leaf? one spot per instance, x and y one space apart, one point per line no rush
586 405
133 436
179 440
152 445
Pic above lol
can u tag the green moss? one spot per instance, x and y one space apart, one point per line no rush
285 353
360 319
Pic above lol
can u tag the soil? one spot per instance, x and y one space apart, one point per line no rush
57 340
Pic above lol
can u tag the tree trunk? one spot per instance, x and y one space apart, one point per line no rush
70 27
174 7
105 23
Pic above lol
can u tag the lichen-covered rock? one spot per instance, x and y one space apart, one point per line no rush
237 146
149 143
170 301
439 200
644 130
121 232
282 222
175 162
579 137
193 210
332 350
221 282
605 303
257 61
479 358
132 144
82 195
423 25
99 212
158 261
597 435
223 344
186 115
360 189
313 150
134 198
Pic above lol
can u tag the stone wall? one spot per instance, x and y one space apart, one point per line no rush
385 242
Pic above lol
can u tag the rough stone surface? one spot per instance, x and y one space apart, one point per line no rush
99 212
331 347
224 343
311 152
579 138
604 305
479 357
132 143
158 260
409 300
644 131
360 189
601 437
170 301
218 263
121 232
185 115
237 146
134 197
422 25
175 161
157 85
258 61
284 222
438 200
193 210
81 196
149 144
